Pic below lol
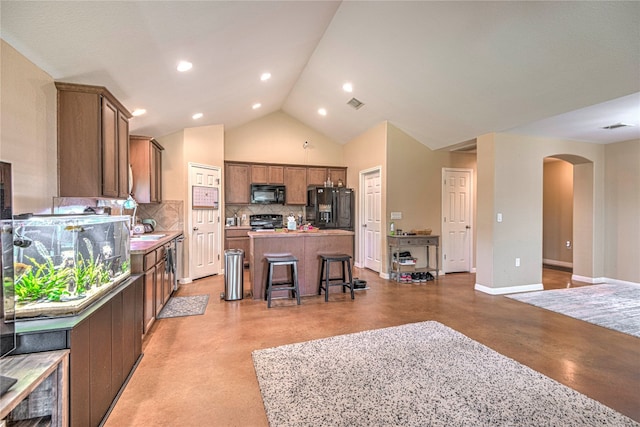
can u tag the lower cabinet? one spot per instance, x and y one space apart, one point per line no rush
105 344
158 281
237 238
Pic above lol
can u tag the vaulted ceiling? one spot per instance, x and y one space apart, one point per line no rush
444 72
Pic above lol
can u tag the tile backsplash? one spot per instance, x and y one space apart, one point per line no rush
249 210
169 215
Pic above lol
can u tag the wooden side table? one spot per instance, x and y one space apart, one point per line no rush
395 243
49 370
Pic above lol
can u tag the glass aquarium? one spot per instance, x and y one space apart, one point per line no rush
64 263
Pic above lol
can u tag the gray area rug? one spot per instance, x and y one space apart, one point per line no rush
184 306
421 374
613 306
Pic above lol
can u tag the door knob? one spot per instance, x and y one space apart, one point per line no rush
195 228
468 227
364 225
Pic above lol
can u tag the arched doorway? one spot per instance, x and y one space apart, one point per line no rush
568 242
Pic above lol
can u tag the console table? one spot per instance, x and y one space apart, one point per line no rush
404 241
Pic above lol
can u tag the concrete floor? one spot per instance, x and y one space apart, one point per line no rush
197 370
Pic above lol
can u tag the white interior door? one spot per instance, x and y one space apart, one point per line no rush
456 215
372 216
204 238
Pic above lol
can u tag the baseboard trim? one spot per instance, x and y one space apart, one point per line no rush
586 279
508 289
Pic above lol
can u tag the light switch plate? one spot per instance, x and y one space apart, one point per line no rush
396 215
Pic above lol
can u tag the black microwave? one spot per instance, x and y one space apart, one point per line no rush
267 194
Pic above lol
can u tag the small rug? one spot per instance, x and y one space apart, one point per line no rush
184 306
420 374
613 306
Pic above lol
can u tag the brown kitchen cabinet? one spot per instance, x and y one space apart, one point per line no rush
237 182
158 280
316 176
237 238
105 343
146 168
337 174
295 181
267 174
319 175
93 142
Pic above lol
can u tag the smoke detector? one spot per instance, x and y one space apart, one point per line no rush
355 103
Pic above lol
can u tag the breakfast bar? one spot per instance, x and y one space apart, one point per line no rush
306 246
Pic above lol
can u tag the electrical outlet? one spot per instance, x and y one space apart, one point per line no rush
517 262
568 244
244 217
499 217
396 215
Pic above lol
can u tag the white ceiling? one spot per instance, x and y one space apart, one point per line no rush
444 72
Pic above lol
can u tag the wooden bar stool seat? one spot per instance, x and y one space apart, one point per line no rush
325 278
285 285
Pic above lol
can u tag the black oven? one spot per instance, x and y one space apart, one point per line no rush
267 194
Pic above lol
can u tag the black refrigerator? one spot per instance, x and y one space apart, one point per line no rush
330 207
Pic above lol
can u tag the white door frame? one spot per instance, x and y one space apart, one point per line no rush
359 262
189 213
471 239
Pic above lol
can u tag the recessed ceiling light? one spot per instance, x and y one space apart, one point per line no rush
265 76
197 116
138 112
322 111
256 106
184 66
347 87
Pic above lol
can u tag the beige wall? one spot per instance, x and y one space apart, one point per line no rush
622 211
202 145
364 153
411 176
28 131
278 138
557 216
510 168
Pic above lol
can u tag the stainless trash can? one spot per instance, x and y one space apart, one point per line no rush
233 274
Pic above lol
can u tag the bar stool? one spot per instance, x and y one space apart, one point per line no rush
287 285
326 280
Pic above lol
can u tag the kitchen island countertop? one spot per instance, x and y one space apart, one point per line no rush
304 245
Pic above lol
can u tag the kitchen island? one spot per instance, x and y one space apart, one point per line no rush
304 245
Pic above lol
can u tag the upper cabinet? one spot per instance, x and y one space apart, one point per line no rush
237 181
93 142
267 174
316 176
239 176
338 174
146 169
295 181
319 175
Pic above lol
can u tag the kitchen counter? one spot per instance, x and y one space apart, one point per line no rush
146 243
304 245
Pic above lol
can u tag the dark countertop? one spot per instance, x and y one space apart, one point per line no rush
31 325
141 247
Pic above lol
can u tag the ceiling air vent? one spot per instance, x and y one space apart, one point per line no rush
355 103
616 126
